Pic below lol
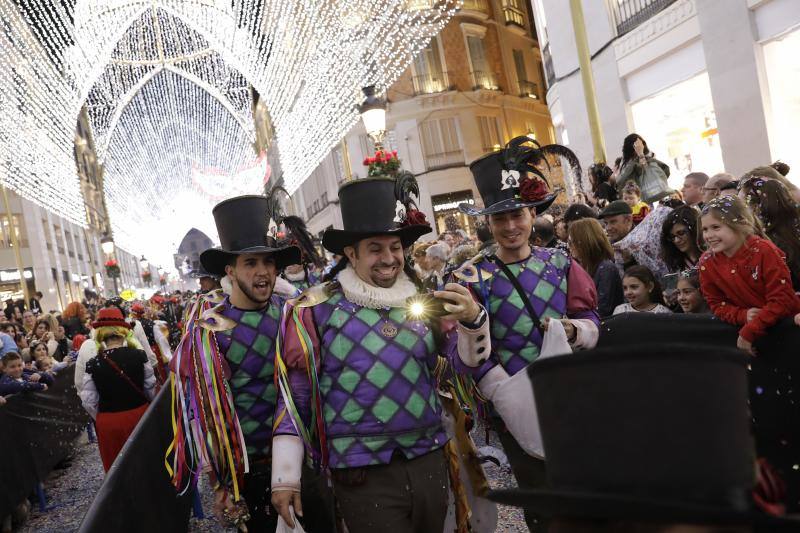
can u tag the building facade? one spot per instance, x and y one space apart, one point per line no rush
61 259
709 84
476 85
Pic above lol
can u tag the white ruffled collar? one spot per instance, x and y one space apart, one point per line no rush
361 293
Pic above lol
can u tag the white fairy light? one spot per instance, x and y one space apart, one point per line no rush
166 84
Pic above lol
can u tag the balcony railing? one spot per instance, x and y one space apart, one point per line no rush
630 13
481 6
444 159
484 80
529 89
431 83
513 12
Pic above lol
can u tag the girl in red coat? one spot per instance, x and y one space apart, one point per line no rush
744 277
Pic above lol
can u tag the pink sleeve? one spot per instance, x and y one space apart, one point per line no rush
295 359
293 354
581 294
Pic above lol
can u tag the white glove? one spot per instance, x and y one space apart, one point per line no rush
287 462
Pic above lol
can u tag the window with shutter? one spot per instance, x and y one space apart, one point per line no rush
490 133
441 145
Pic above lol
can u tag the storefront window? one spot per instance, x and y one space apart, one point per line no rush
446 205
782 63
680 127
10 286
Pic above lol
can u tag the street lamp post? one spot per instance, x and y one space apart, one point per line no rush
145 265
373 114
107 244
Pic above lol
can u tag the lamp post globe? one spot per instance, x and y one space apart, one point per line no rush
373 115
107 244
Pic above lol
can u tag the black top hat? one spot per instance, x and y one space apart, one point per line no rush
201 272
244 225
377 206
657 435
509 179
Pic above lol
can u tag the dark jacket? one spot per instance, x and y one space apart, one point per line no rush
73 326
609 288
8 385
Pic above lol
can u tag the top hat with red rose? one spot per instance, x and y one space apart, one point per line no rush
378 206
512 178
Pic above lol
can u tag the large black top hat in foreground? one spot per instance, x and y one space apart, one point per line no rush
377 206
243 224
511 178
659 435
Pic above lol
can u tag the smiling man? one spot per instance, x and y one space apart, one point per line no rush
379 411
520 288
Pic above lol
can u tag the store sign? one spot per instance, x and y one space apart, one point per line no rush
447 202
452 205
13 275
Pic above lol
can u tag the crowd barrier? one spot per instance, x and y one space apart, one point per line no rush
137 494
37 431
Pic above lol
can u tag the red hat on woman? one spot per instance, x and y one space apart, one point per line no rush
110 316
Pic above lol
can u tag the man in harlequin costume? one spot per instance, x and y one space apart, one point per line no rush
226 363
306 273
374 406
520 288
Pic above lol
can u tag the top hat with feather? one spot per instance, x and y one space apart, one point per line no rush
512 178
378 206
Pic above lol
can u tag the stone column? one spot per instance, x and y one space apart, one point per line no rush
738 86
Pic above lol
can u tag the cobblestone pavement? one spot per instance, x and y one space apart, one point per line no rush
70 492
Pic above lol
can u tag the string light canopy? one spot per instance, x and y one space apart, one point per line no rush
167 87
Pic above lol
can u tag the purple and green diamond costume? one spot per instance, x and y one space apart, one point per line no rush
249 350
378 391
556 288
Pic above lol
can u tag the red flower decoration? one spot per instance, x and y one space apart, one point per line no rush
366 162
533 189
414 217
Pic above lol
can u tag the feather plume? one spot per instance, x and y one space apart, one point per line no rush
569 156
523 153
406 189
274 205
298 232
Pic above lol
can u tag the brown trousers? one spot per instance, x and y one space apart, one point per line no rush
404 496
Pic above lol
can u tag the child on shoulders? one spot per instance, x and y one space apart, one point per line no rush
632 195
